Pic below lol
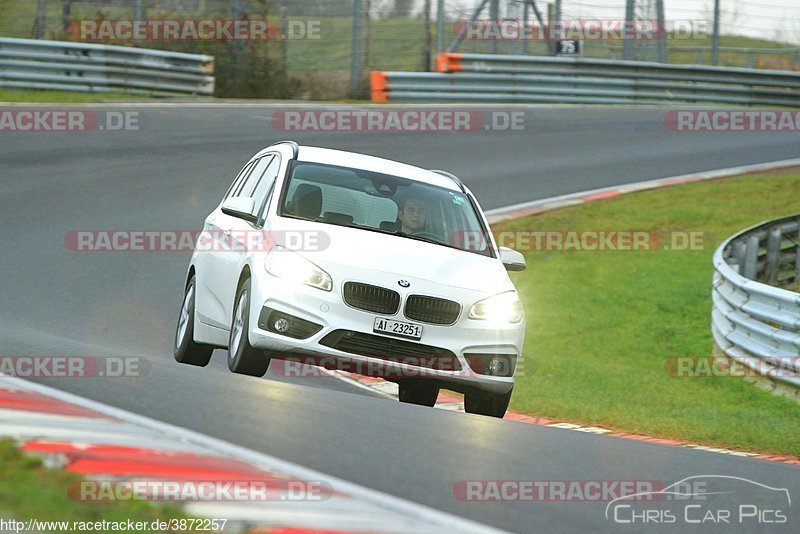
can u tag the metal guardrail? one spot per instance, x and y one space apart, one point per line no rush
504 78
752 321
67 66
749 56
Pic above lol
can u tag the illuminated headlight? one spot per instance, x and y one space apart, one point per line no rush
502 308
291 266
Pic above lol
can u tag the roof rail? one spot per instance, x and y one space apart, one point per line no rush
453 177
293 144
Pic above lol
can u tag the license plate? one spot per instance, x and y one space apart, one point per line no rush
397 328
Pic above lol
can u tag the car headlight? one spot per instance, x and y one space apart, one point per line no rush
502 308
291 266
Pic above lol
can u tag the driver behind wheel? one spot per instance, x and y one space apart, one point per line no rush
412 216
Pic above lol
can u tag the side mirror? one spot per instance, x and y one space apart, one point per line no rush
241 207
512 260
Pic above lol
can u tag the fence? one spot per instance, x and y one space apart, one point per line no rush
394 35
507 78
753 321
41 64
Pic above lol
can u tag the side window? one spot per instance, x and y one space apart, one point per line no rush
249 184
264 189
239 179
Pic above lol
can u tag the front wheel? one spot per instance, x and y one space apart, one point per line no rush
487 403
186 350
243 358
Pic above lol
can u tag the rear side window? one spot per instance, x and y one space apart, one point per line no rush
239 178
248 186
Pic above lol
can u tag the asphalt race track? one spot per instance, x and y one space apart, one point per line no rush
171 172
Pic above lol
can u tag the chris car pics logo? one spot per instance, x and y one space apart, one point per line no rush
705 500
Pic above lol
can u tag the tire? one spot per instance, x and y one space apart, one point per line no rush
243 358
186 350
486 403
420 392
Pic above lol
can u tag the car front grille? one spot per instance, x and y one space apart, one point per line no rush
371 298
432 310
394 350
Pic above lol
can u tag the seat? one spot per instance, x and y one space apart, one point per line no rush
341 219
307 201
388 226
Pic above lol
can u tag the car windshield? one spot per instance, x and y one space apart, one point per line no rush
383 203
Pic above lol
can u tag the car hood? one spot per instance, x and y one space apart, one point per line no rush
406 258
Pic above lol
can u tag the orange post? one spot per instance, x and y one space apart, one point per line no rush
448 62
378 86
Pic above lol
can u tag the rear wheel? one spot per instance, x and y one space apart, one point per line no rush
487 403
186 350
243 358
419 392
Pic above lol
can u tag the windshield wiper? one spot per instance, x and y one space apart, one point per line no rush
420 238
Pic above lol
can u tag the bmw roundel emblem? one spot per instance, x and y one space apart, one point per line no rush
404 283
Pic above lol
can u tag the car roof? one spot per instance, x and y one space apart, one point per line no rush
355 160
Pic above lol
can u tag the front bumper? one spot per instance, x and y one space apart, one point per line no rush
324 315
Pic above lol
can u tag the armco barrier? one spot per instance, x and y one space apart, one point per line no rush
504 78
753 321
68 66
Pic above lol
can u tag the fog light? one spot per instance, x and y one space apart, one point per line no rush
496 367
492 364
281 325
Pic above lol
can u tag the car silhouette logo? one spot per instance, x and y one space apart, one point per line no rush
404 283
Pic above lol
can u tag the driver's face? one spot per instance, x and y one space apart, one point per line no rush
413 215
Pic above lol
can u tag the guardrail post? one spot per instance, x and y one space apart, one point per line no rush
797 256
773 254
739 252
751 258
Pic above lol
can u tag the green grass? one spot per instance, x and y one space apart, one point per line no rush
28 490
601 325
62 97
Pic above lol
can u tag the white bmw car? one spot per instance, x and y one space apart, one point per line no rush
360 263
